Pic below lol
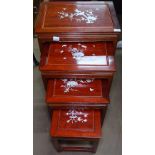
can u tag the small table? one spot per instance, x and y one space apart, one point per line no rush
69 127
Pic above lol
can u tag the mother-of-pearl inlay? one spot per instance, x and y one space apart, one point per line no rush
86 16
70 84
76 116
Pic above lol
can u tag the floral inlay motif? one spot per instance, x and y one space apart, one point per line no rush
76 116
78 15
70 84
77 53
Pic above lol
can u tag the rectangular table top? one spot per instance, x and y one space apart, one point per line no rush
77 17
66 93
78 57
75 123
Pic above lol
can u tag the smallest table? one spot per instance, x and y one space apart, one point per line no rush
76 130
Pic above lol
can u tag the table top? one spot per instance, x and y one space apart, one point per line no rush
76 123
78 57
77 92
79 17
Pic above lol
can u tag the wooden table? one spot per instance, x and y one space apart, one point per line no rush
77 43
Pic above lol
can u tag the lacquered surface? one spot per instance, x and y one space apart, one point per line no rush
91 54
51 19
79 56
83 94
89 129
89 60
84 87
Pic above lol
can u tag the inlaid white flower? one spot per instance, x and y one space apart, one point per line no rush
75 116
78 15
71 84
77 53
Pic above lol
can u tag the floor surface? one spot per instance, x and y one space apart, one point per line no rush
111 141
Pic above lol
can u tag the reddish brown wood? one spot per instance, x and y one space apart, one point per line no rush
43 38
96 57
96 42
103 29
89 130
46 38
97 62
79 75
86 95
49 18
59 147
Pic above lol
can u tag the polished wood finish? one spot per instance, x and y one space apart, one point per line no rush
58 61
64 130
91 94
77 42
90 129
78 57
105 28
51 21
46 29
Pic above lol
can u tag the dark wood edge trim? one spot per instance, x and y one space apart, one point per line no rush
85 106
